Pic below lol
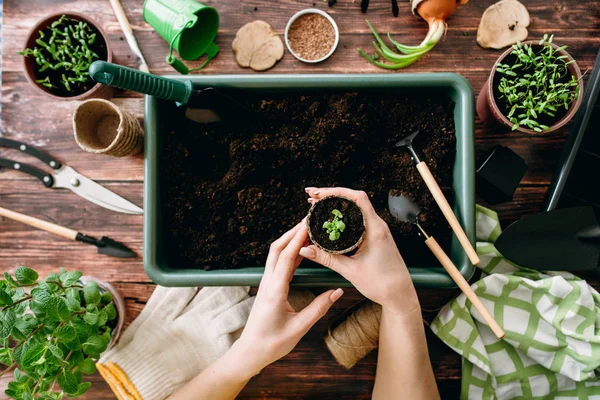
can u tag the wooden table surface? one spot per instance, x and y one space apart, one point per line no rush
309 371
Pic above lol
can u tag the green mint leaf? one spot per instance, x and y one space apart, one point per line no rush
91 293
6 356
7 322
67 381
91 319
326 224
5 298
337 213
111 312
70 278
334 235
82 329
27 396
56 352
102 318
52 277
81 389
87 366
65 333
94 346
340 225
72 304
26 276
33 355
10 280
106 298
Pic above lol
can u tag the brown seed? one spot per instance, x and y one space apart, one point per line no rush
311 36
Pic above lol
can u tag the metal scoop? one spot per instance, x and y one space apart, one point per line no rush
405 209
439 197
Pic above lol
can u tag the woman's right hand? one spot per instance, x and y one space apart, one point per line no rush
377 269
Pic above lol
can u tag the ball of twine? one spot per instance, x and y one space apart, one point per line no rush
357 335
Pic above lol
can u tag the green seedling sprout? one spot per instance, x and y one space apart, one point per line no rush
534 86
52 332
64 47
336 226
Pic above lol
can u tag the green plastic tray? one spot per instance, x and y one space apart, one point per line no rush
159 113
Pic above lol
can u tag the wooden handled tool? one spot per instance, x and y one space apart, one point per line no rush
128 31
439 197
464 286
105 244
405 209
441 201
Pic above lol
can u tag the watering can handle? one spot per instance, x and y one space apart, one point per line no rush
141 82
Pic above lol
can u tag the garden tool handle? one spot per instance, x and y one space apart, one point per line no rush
39 224
131 79
464 286
440 199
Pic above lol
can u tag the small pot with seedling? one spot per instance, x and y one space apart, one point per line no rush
534 87
58 53
53 330
336 224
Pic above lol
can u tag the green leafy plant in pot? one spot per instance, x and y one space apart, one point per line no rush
534 87
336 224
53 330
58 53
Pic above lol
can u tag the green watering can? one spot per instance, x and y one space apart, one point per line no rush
188 26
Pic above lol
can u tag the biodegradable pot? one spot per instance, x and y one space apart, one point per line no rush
119 306
101 127
489 112
353 217
29 64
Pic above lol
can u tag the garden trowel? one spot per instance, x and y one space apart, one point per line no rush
565 239
202 105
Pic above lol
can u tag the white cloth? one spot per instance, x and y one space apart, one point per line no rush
178 334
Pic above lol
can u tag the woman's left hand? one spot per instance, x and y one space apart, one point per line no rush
274 328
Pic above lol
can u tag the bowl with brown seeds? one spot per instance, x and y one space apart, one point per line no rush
311 35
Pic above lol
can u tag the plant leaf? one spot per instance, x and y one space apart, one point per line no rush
91 293
94 346
70 278
26 276
337 213
87 366
65 333
33 355
67 381
10 280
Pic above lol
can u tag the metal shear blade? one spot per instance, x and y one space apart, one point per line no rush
66 177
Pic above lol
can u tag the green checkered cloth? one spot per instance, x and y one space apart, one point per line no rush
552 345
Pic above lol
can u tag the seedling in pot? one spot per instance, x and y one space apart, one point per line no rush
536 85
335 226
63 53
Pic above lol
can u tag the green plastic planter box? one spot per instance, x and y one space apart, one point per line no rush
159 114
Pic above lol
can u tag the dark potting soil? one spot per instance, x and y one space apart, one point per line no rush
503 105
99 47
228 190
352 218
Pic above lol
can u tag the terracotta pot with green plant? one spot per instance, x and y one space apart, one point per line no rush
53 330
336 224
534 87
58 52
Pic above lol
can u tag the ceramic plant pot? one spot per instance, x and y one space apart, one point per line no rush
118 302
352 216
29 64
489 112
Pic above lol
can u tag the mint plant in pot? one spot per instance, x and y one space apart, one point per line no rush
336 224
58 53
534 87
53 330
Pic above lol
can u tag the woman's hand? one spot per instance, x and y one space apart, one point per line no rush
274 328
377 269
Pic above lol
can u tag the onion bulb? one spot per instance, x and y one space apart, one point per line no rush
435 12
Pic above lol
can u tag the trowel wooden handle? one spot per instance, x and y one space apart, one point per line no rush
440 199
464 286
39 224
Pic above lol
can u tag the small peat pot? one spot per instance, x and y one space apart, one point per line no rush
336 224
311 35
534 87
58 52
